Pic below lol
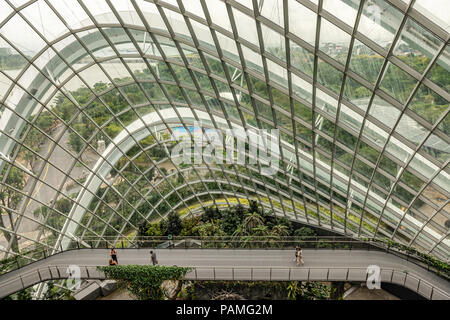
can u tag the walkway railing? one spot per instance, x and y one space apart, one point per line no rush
226 242
387 275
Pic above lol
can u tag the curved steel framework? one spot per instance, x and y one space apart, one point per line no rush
90 92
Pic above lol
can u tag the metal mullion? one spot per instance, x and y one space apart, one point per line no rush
368 42
172 73
269 24
310 5
380 77
154 187
124 96
114 212
300 42
313 104
126 219
249 85
148 66
277 212
427 23
137 142
341 94
342 25
417 196
415 150
49 110
436 88
331 61
443 237
269 91
210 75
195 83
245 74
36 179
76 73
29 218
217 169
228 193
291 103
227 75
139 178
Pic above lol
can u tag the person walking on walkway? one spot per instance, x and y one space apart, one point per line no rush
296 252
153 257
112 262
113 255
299 256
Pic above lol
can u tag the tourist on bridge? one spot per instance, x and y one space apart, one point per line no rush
296 252
113 255
299 256
112 262
153 258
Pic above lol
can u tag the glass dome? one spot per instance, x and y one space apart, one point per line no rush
91 93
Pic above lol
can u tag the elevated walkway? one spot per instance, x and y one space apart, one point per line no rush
240 264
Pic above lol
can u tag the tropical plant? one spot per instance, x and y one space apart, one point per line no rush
144 282
173 224
251 221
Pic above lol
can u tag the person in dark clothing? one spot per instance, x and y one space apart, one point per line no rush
153 258
113 255
112 262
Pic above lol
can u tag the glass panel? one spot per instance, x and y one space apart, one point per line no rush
101 11
357 93
384 112
334 41
302 59
366 62
274 42
39 12
410 129
302 22
329 76
272 10
416 46
379 22
428 104
20 34
246 27
397 83
217 11
434 10
440 72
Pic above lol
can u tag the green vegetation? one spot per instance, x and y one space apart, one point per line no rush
11 61
298 290
55 217
96 122
144 282
255 290
442 267
53 293
239 222
9 198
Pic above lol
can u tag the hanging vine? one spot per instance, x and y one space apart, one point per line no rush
144 282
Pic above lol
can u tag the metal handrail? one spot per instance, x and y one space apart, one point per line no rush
194 273
392 271
289 242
